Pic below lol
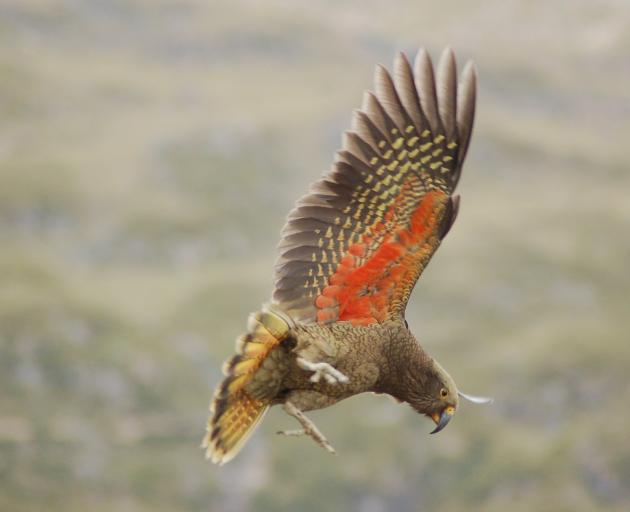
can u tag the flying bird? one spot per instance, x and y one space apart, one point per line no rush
351 252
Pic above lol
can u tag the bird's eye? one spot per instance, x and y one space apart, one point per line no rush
443 392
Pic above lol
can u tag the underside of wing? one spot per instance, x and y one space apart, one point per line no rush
353 248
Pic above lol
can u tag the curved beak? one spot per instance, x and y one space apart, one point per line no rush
441 420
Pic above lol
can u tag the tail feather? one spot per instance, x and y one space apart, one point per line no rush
234 412
228 433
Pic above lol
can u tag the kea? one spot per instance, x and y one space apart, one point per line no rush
350 254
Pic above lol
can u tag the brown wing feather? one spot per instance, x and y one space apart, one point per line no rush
353 248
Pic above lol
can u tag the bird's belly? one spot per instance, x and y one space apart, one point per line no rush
309 400
361 378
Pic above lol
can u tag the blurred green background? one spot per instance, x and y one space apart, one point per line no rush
149 151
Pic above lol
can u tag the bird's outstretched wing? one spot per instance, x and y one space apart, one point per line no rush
353 248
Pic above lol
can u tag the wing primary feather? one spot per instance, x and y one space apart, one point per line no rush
387 96
354 144
447 91
349 143
345 157
368 125
376 114
425 85
403 79
466 100
359 126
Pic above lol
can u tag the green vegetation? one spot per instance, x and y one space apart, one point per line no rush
148 155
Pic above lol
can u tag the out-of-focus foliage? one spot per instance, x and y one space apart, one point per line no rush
149 151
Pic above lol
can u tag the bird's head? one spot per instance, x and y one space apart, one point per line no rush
440 397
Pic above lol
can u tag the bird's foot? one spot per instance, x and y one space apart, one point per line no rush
325 370
308 428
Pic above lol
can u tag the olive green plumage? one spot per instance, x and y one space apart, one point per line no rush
350 254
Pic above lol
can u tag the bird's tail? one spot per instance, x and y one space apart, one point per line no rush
234 412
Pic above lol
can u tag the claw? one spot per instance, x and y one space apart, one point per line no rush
325 370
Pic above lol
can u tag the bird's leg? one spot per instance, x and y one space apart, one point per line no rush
308 428
329 372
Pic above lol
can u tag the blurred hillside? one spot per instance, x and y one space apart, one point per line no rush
149 152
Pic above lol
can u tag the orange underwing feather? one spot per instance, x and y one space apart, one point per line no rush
369 292
353 248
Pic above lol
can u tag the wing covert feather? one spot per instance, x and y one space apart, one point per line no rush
354 246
